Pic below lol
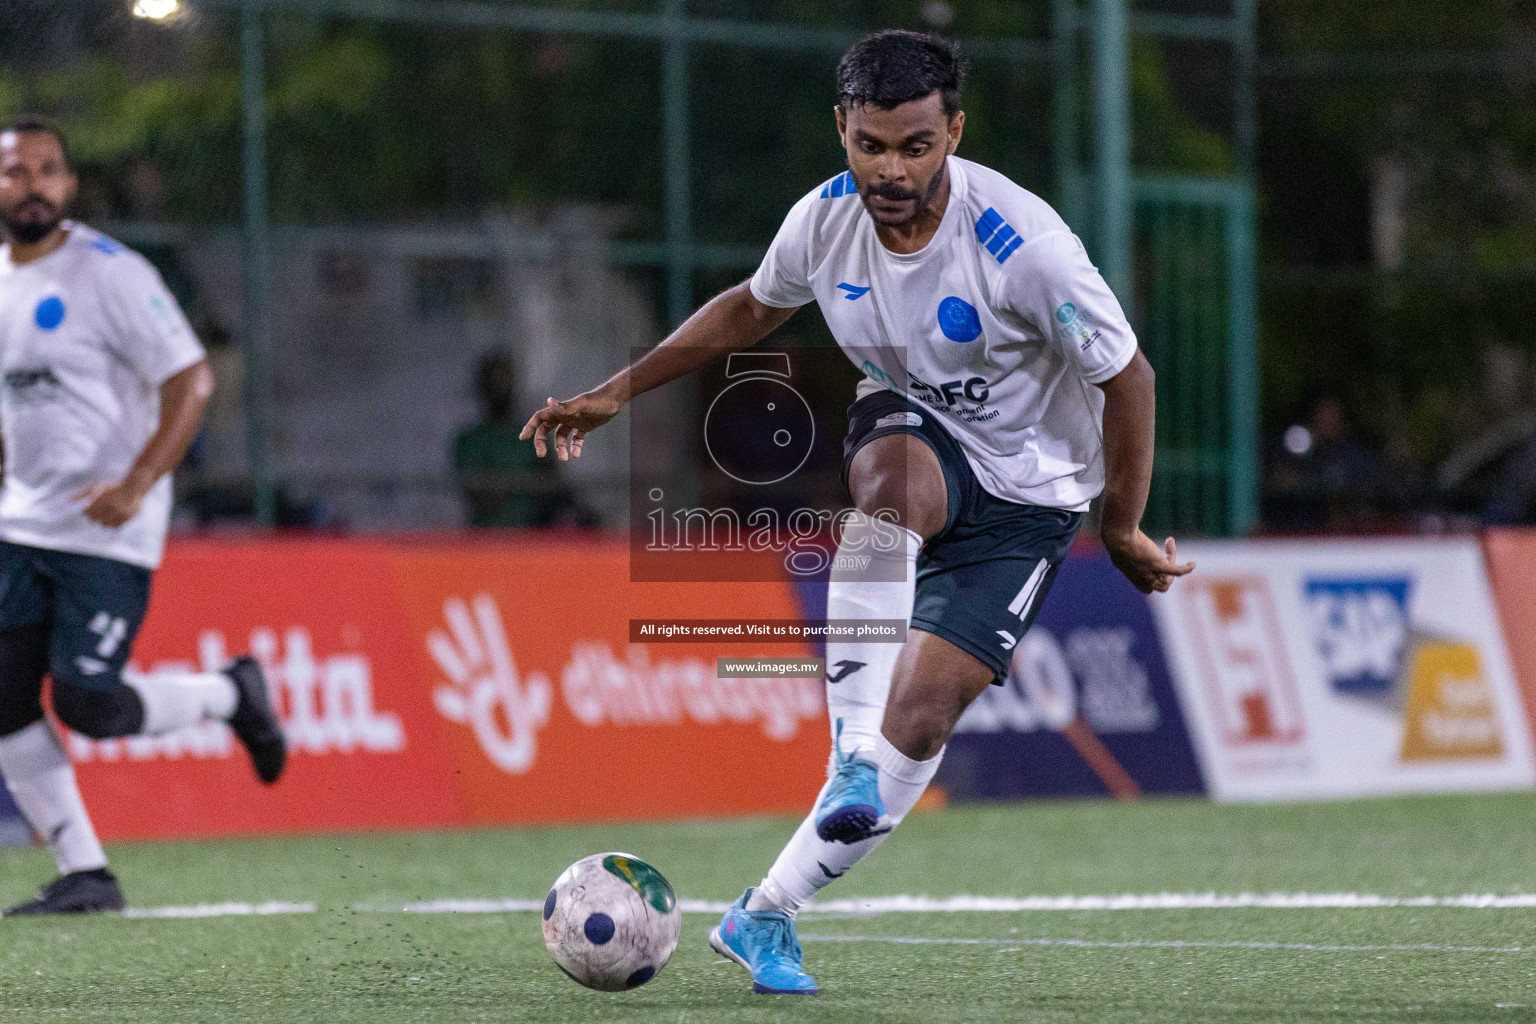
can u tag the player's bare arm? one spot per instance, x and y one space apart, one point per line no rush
183 398
1129 413
731 321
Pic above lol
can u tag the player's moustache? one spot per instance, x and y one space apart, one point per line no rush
892 193
37 202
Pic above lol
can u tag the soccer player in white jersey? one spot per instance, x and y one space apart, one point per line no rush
102 387
1004 391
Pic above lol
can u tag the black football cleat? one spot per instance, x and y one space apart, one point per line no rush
79 892
254 722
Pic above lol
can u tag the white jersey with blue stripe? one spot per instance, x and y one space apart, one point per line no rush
1001 324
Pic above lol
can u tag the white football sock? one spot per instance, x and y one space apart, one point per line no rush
807 864
874 577
902 780
175 700
881 589
42 782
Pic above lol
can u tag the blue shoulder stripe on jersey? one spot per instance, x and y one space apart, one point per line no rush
998 235
108 246
840 186
989 222
1005 234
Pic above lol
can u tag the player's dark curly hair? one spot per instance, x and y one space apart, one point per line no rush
894 67
37 124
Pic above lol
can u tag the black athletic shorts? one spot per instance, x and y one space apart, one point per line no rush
92 608
982 578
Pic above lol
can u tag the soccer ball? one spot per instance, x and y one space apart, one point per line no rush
611 921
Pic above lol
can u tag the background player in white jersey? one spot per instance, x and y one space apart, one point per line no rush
1004 392
102 387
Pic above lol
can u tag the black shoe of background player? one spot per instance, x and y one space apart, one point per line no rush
79 892
254 722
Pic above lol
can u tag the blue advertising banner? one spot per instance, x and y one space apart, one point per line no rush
1088 707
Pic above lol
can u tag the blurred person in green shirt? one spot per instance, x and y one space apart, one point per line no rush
503 482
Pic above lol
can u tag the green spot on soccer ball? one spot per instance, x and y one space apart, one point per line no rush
644 879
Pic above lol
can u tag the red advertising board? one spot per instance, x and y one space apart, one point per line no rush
1512 570
448 683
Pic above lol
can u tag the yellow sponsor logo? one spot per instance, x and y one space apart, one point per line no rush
1451 712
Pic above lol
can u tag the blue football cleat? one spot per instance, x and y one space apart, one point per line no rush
851 810
763 941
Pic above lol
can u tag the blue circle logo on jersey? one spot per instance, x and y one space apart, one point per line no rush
958 320
1067 313
50 313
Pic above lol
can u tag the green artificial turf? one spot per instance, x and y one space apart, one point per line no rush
357 958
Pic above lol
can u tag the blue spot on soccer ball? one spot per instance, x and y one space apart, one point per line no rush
598 929
50 313
958 320
640 977
549 905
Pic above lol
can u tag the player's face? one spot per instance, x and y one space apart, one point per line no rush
897 156
36 184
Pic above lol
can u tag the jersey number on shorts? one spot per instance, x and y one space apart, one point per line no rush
111 630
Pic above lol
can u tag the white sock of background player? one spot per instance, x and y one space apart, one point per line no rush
42 782
856 705
175 700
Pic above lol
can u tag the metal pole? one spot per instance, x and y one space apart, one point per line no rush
1242 364
257 282
1112 130
675 129
1069 179
1245 50
1242 256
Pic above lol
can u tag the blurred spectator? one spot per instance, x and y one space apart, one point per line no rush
503 482
1321 478
1493 476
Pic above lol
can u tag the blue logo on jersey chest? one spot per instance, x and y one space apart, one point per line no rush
958 320
49 313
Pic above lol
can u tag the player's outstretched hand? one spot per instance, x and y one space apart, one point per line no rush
1145 564
568 423
111 505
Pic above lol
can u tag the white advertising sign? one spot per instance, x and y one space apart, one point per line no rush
1317 669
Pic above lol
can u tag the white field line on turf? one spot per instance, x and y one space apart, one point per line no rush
1012 905
206 910
918 904
1016 944
221 910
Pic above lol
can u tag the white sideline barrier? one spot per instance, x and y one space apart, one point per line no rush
1330 669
